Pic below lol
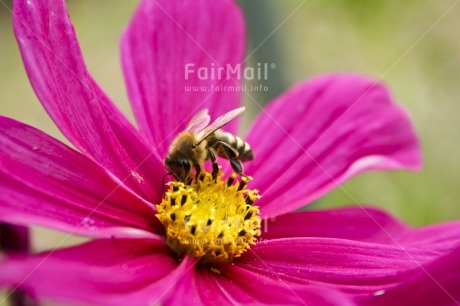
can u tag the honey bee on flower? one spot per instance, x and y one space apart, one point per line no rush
201 141
196 243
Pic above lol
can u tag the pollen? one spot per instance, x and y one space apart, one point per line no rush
214 220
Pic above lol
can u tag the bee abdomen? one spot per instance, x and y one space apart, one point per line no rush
243 148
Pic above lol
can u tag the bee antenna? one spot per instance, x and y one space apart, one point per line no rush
163 182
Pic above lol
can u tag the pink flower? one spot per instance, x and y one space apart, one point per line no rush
312 138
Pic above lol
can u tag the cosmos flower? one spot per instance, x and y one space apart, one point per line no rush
306 142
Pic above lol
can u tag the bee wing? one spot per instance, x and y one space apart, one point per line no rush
199 121
219 122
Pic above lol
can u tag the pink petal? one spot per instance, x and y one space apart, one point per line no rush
352 266
102 272
436 283
321 133
185 289
162 38
236 286
354 223
362 224
86 116
226 284
46 183
440 237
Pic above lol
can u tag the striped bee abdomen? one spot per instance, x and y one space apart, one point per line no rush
243 148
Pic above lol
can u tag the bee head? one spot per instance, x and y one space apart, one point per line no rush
179 167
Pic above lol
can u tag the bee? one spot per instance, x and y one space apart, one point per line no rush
201 141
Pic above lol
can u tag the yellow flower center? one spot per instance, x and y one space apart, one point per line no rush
213 220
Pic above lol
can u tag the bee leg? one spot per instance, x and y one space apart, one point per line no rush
232 155
229 150
237 166
215 166
198 171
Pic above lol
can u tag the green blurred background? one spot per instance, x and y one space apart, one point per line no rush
414 46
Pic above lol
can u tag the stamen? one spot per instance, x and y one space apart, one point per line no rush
213 221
